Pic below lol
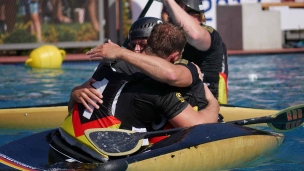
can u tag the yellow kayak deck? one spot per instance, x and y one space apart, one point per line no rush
51 117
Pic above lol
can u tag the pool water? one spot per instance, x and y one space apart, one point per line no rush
266 81
21 86
260 81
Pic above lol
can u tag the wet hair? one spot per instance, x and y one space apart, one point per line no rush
166 39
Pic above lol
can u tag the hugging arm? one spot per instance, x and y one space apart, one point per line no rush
85 94
155 67
189 117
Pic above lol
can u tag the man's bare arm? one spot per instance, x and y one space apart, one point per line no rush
189 117
155 67
197 36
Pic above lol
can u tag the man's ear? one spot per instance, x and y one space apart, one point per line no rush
175 56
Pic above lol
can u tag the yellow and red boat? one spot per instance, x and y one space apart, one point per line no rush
216 146
53 116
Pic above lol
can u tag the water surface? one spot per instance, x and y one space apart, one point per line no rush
261 81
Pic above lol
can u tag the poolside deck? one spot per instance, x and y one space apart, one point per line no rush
84 57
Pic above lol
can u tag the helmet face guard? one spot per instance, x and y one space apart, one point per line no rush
196 5
142 27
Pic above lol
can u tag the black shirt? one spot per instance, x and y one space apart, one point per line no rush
142 100
212 61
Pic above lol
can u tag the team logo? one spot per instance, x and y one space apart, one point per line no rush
180 97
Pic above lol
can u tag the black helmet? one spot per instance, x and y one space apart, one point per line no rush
196 5
143 27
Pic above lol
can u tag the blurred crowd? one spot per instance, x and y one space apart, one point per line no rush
36 12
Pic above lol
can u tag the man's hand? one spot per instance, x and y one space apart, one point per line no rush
86 94
108 50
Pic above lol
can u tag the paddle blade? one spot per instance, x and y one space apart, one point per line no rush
114 142
287 119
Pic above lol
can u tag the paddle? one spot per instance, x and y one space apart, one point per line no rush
118 142
285 120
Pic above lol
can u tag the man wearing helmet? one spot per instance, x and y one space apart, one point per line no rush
205 46
130 103
179 75
174 75
137 41
140 31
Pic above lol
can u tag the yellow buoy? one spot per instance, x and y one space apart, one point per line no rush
46 56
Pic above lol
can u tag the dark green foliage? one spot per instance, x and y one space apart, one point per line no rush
20 36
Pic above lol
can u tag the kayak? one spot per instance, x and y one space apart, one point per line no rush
216 146
202 147
53 116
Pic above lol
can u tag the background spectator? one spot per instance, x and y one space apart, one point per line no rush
30 10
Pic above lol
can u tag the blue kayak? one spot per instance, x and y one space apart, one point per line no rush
202 147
